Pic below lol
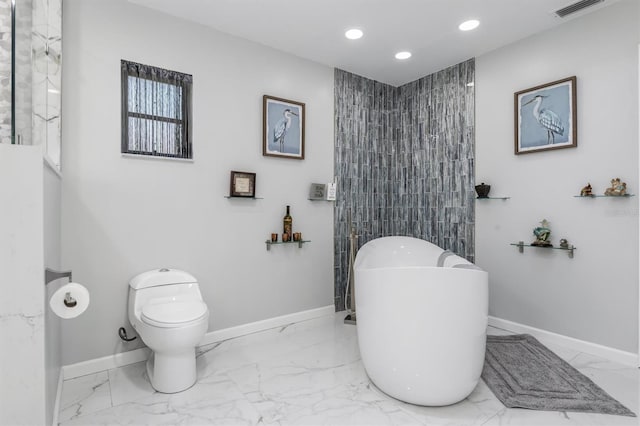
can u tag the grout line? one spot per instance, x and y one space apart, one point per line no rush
109 382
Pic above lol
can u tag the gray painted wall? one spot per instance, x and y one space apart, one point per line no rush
404 162
593 297
122 216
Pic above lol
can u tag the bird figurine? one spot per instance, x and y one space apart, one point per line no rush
617 189
586 191
549 120
282 127
542 234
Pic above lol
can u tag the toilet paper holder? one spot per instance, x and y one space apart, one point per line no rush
51 275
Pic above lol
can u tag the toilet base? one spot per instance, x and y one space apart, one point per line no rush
171 373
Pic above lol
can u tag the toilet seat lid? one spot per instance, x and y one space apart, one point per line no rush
173 314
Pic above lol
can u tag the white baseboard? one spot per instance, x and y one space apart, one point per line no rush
622 357
108 362
131 357
253 327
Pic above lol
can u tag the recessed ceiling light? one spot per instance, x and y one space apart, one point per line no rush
469 25
353 34
403 55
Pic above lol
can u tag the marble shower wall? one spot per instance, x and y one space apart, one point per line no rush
404 162
46 42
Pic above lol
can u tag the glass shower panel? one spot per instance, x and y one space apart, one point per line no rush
31 74
5 71
22 74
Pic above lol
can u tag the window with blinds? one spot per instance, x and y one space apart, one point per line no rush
156 111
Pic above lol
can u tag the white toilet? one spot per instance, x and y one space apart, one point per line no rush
167 311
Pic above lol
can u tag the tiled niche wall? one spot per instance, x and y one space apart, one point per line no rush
404 162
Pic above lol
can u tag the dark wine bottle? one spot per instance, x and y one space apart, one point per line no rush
287 223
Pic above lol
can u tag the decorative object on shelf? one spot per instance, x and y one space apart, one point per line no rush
274 238
242 184
542 234
317 191
586 191
297 236
285 237
545 117
287 223
283 128
617 188
564 243
483 190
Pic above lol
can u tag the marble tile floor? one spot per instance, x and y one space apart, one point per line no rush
309 373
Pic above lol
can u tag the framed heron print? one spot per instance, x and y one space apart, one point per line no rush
283 128
545 117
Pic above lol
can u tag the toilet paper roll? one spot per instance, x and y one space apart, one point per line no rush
76 297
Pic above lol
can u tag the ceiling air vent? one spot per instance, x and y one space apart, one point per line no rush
576 7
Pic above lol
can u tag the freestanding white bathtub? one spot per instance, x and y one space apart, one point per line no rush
421 320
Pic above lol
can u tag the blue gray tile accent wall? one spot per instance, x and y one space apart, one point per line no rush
404 162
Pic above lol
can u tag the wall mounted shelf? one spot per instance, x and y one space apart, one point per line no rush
299 243
605 196
243 198
521 245
492 198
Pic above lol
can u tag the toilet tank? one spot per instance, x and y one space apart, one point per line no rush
159 285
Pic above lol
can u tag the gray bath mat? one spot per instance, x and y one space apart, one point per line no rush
523 373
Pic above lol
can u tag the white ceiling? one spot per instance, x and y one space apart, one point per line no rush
314 29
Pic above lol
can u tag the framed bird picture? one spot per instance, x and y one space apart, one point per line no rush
283 128
545 117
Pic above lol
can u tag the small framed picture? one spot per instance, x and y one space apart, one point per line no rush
283 128
243 184
545 117
317 191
